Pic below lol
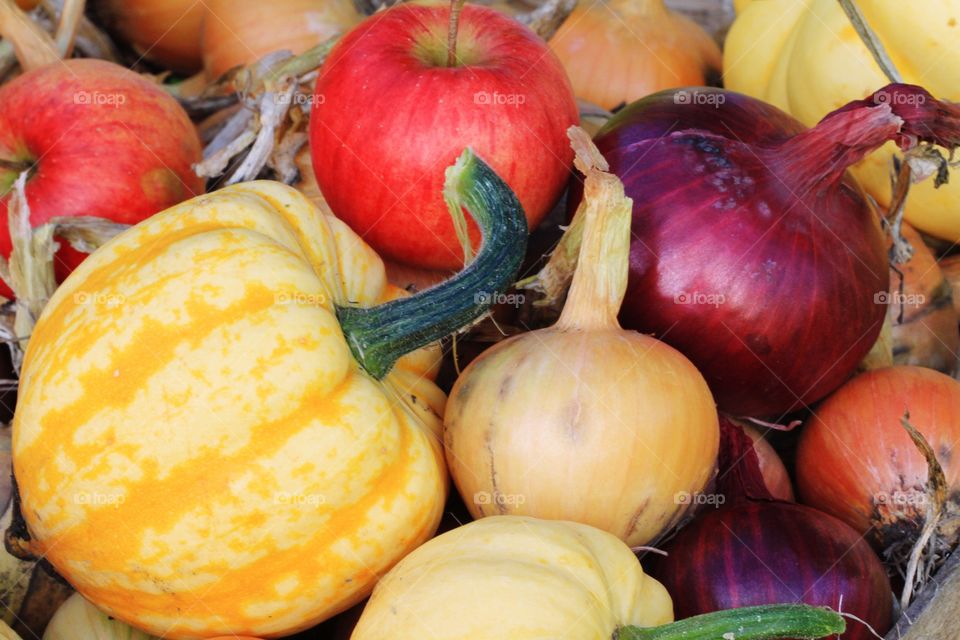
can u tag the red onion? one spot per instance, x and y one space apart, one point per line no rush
754 253
775 477
755 550
761 552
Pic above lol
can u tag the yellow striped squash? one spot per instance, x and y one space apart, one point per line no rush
199 450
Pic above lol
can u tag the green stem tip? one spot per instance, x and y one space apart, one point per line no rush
768 622
379 336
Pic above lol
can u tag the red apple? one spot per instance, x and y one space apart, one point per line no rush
99 140
389 116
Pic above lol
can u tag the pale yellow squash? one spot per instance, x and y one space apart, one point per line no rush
805 57
517 578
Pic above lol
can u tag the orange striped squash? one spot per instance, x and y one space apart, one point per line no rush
197 450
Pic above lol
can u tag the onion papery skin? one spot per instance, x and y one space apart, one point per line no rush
616 51
764 277
856 461
775 475
240 32
163 31
922 316
762 552
951 271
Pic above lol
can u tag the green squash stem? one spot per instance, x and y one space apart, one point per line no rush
379 336
768 622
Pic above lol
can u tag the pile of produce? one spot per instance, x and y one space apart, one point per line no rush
512 319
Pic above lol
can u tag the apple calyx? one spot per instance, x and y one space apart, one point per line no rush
10 170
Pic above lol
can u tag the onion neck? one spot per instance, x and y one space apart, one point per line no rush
903 113
600 280
768 622
818 157
379 336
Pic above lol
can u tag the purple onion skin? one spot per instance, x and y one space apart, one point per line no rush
755 553
765 277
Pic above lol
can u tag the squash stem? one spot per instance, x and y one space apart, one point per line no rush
768 622
379 336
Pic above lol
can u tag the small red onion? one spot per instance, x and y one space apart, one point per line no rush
759 552
756 550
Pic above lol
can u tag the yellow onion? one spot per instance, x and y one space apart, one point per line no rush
617 51
585 421
239 32
950 266
922 315
164 31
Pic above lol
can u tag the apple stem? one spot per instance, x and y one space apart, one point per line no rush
456 6
17 166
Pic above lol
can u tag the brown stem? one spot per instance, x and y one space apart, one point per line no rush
66 33
901 251
456 6
34 46
936 494
870 40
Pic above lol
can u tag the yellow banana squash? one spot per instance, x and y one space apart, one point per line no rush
212 437
805 57
522 578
